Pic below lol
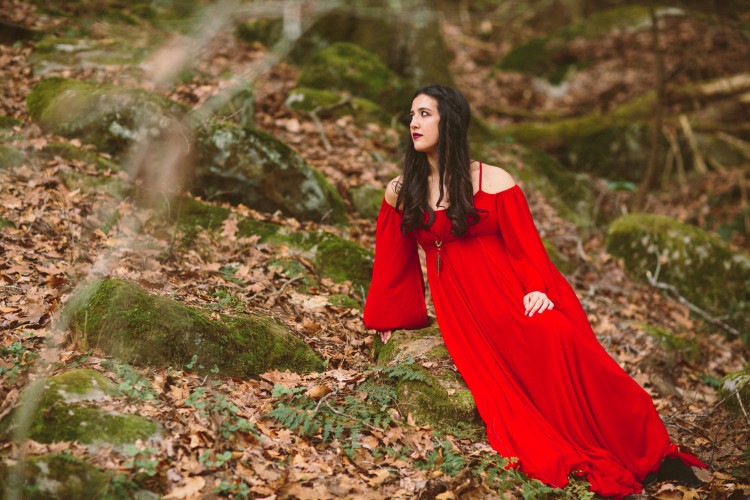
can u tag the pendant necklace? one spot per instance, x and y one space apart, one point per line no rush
438 244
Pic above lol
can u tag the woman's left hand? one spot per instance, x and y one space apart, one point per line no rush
536 302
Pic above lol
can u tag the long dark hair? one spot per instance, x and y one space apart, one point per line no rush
453 160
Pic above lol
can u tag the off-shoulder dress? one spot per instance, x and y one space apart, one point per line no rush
547 391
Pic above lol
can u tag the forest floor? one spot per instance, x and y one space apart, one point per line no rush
53 248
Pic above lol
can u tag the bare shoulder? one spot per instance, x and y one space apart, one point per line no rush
391 191
495 179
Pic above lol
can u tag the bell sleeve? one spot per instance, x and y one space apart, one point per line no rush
529 258
396 296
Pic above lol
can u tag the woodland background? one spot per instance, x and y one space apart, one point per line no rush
188 196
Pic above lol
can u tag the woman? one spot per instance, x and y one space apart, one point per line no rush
547 391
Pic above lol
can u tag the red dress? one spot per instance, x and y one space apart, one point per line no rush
548 392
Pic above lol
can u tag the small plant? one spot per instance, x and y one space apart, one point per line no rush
133 385
240 490
140 460
219 460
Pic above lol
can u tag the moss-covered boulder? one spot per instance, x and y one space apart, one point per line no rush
64 477
267 31
735 387
364 111
249 166
441 398
66 409
332 256
11 157
614 145
348 67
235 163
410 45
367 200
140 328
112 118
701 267
550 57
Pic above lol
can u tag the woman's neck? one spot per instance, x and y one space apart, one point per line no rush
433 161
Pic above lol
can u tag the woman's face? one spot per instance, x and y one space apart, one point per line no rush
424 123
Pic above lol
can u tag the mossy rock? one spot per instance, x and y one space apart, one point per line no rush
364 111
237 164
332 256
613 145
56 54
343 260
66 410
110 117
410 45
442 398
11 157
559 259
290 267
140 328
549 57
701 267
738 382
265 31
8 122
348 67
367 200
246 165
64 477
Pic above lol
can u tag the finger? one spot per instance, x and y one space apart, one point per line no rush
536 307
545 306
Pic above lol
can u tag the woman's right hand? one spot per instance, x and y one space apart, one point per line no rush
385 335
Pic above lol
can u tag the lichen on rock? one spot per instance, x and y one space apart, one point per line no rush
140 328
735 387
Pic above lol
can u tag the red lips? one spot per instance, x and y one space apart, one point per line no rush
416 136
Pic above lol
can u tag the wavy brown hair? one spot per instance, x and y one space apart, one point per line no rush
453 167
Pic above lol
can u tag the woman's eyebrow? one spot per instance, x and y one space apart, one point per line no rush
423 109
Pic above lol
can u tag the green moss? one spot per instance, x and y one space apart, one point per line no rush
7 122
614 145
443 400
343 260
702 268
11 157
367 200
348 67
291 268
5 223
678 346
265 31
63 477
549 56
140 328
344 302
66 411
110 117
364 111
739 383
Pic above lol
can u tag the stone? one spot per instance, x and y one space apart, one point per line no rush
367 200
66 409
443 399
348 67
702 268
249 166
141 328
735 387
11 157
363 111
64 477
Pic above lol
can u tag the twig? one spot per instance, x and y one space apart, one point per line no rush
653 281
700 165
327 109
